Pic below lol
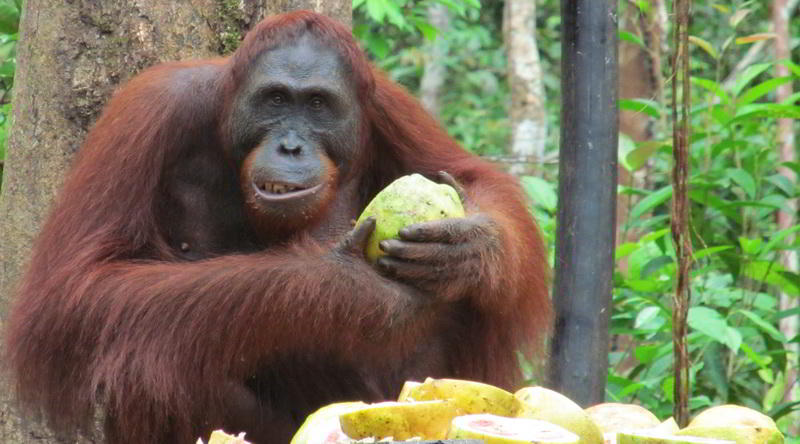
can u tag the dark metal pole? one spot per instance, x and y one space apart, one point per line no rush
587 192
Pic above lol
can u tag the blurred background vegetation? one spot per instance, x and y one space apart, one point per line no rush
745 284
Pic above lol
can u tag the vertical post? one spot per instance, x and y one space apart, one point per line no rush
585 237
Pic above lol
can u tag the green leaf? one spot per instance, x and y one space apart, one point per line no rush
763 325
766 110
376 10
721 8
712 86
748 75
644 151
704 45
699 254
793 165
779 237
395 14
743 179
378 46
624 147
638 105
714 369
646 316
426 29
650 237
750 246
541 192
791 99
782 183
626 36
773 274
625 249
793 67
754 93
653 200
738 16
646 353
752 38
654 265
357 3
761 361
9 17
712 324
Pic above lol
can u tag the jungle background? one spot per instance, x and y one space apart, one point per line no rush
490 71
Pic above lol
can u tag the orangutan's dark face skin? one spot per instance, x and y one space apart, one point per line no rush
295 130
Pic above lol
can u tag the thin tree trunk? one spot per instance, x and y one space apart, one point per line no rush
71 55
786 141
528 118
435 53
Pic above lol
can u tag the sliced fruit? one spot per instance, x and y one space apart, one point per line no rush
399 420
493 429
548 405
469 397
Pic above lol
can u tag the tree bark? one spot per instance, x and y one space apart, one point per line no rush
337 9
435 53
71 56
786 147
527 115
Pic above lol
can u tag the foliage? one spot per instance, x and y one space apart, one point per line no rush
9 35
738 355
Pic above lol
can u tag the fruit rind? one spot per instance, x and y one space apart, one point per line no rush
399 420
650 437
548 405
494 429
469 397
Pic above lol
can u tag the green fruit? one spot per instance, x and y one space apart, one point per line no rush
730 414
407 390
408 200
668 426
323 426
493 429
736 423
615 417
739 434
650 437
548 405
469 397
399 420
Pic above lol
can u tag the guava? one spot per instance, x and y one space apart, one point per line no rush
740 434
322 426
736 423
548 405
650 437
615 417
399 420
493 429
469 397
408 200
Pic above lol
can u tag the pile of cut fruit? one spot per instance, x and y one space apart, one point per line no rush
440 409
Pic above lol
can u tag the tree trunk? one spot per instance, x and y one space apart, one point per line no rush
338 9
786 147
71 56
435 53
528 119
